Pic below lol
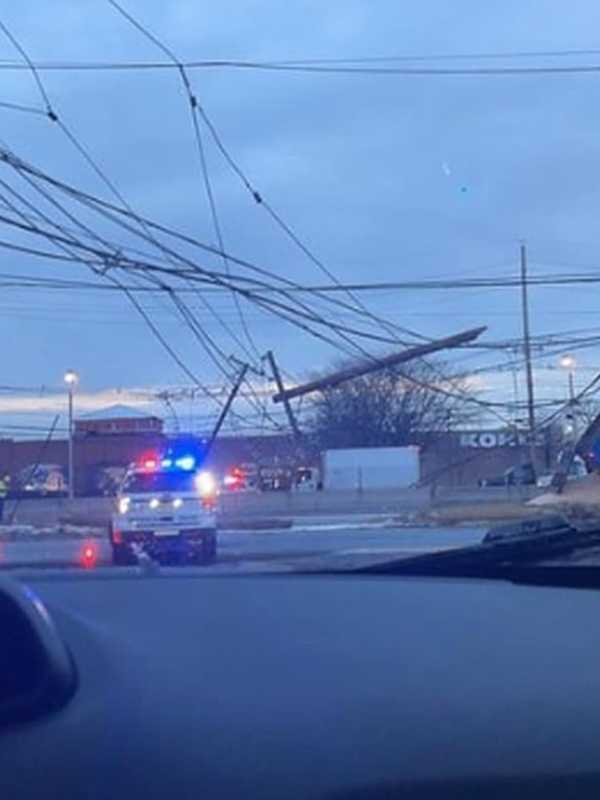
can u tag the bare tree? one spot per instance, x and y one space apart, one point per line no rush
392 408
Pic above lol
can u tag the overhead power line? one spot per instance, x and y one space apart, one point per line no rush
119 215
197 110
114 263
193 103
66 244
293 313
433 285
104 259
187 269
20 107
260 200
365 64
53 116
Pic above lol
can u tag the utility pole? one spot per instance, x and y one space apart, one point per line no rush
374 364
527 353
281 391
225 410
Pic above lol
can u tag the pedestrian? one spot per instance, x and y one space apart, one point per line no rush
4 485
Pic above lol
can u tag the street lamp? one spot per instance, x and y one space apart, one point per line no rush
570 428
71 379
568 362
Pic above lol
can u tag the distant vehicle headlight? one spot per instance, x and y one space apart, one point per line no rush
124 503
206 484
154 503
178 502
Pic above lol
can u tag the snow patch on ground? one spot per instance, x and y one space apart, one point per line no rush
11 533
301 527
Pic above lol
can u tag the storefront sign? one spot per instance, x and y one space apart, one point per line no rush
491 439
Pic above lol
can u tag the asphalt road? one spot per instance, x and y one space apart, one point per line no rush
241 546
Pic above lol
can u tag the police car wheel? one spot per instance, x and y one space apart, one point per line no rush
123 556
207 551
213 546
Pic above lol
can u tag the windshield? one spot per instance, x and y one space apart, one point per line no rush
144 482
352 280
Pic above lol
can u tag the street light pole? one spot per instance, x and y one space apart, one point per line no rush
568 362
71 459
71 379
571 388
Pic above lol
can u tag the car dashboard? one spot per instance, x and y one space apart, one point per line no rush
316 686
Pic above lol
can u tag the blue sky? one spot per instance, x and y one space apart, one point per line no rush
385 178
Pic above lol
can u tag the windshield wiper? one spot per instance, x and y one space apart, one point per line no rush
547 550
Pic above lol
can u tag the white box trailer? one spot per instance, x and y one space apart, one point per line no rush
371 468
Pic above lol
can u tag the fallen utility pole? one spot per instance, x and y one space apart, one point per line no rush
281 390
225 410
378 363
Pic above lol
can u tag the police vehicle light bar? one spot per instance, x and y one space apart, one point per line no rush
186 463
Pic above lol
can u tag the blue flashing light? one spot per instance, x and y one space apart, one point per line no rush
166 463
186 463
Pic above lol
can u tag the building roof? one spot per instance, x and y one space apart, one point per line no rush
116 412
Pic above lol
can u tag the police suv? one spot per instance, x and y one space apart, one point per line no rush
166 509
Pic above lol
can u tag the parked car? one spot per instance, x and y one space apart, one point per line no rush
242 478
107 480
307 479
275 479
41 480
517 475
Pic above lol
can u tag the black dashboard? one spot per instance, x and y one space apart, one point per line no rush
281 686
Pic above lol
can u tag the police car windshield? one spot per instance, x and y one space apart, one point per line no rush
142 482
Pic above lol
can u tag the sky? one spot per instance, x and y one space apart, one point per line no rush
385 178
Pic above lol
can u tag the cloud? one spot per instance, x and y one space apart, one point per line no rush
55 402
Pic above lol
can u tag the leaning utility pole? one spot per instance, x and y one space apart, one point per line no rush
281 391
225 410
374 364
527 353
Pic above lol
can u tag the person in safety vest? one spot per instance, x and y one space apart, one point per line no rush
4 487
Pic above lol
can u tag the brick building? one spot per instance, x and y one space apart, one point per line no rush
118 419
96 452
462 458
449 459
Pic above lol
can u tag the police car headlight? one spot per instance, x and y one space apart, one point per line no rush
206 484
178 502
124 503
154 503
